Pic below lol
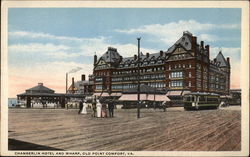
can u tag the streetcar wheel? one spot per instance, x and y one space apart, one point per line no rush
186 108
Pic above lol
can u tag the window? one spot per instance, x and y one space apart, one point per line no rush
189 84
178 83
176 74
99 87
189 74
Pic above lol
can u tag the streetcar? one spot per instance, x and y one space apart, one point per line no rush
197 100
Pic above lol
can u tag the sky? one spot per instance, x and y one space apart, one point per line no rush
46 43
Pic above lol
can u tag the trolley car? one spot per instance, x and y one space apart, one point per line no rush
201 100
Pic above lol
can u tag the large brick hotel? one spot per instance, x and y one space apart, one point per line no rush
184 67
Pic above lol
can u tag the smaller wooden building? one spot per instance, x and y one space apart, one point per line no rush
45 95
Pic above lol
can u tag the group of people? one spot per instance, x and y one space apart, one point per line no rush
99 109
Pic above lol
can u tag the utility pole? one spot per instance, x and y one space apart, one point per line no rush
138 77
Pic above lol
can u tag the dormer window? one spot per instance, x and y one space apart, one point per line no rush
159 61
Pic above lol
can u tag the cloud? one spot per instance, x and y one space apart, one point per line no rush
208 37
54 46
41 35
170 32
37 47
233 52
126 50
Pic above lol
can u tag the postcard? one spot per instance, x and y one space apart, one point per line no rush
125 78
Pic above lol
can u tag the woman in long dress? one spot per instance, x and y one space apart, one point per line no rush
99 108
84 109
104 111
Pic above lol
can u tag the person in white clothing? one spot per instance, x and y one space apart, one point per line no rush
99 108
84 109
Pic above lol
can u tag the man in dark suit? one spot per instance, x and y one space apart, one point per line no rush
80 108
111 108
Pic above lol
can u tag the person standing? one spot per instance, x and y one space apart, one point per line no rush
99 109
104 110
80 108
111 108
84 109
94 108
164 106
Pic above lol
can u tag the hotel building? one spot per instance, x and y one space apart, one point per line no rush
184 67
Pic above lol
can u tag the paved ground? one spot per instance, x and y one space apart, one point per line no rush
175 129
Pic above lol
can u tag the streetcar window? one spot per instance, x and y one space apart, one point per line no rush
192 98
202 98
212 99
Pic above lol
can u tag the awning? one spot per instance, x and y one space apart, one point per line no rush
96 94
133 97
185 92
128 97
151 97
104 94
174 93
147 97
226 96
116 94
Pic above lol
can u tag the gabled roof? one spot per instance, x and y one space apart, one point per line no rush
40 89
185 41
111 56
220 58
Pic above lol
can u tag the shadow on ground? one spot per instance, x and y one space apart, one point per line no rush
21 145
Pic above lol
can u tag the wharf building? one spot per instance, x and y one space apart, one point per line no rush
184 67
82 87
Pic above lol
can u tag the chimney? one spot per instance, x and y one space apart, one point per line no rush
120 58
194 43
40 84
83 77
73 85
228 60
215 60
208 51
161 53
147 54
135 57
202 44
95 59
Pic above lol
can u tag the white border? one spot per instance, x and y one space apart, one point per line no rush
244 5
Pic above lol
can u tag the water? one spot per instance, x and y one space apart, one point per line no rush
12 102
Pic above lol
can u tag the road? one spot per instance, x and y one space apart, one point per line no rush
173 130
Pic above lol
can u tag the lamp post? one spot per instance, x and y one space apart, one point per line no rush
138 77
154 87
